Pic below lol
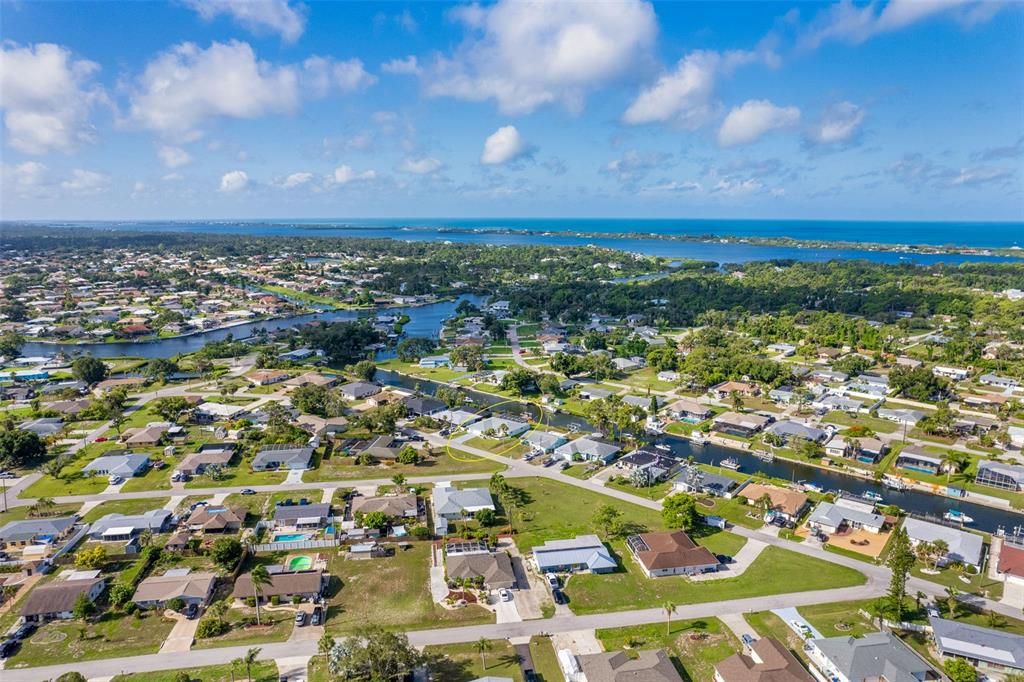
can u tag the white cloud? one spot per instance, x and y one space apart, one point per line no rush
323 74
528 54
343 175
296 180
27 179
421 166
46 96
173 157
86 182
838 124
408 66
407 22
734 187
276 15
504 145
187 85
980 175
234 181
673 187
686 96
754 118
851 23
634 165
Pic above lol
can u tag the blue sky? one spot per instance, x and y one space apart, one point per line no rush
228 109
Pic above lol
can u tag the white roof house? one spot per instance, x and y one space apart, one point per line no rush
450 504
582 553
544 441
830 518
499 426
964 547
594 449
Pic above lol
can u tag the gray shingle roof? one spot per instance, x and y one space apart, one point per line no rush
876 655
20 531
983 644
963 546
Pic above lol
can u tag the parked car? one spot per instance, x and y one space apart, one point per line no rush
191 611
300 619
933 611
748 640
725 559
504 594
115 479
317 617
552 580
248 491
24 631
559 597
8 474
7 648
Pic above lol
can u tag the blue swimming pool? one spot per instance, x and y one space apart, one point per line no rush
289 537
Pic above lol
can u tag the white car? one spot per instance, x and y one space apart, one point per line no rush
115 479
552 580
504 594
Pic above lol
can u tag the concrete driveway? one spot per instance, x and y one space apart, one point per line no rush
505 611
182 634
531 594
790 616
294 476
741 562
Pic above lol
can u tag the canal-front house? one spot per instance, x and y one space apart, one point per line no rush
967 548
914 458
739 424
999 475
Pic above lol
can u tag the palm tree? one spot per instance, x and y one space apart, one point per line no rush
145 538
399 481
952 600
483 645
260 578
954 462
234 664
878 608
941 548
919 597
670 609
765 502
325 644
250 657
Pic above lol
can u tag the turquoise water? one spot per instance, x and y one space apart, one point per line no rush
289 537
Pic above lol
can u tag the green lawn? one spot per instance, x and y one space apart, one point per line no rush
775 571
646 378
111 635
21 513
545 663
393 592
694 646
262 671
654 492
840 618
734 511
448 461
130 506
276 626
304 296
874 423
69 484
767 624
463 663
154 479
978 584
240 475
507 447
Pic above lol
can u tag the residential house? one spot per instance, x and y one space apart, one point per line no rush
643 401
967 548
663 554
593 393
271 457
434 361
69 407
493 568
785 394
36 531
266 377
990 379
833 519
327 427
404 506
1011 562
312 379
177 583
645 666
381 448
999 475
589 449
830 402
628 364
56 600
903 417
584 553
768 660
784 349
207 413
208 454
740 424
827 376
358 390
44 426
307 585
452 504
992 652
543 442
693 479
498 427
790 431
788 504
727 388
875 656
647 466
417 406
688 410
123 527
668 376
954 373
914 458
865 449
118 463
216 519
302 516
827 354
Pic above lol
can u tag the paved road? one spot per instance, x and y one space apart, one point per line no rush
558 624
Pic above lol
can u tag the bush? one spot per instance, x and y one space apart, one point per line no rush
250 602
420 532
176 604
296 599
71 677
275 600
182 676
211 627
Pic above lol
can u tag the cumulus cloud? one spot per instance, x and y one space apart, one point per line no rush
296 180
420 166
86 182
234 181
917 172
183 87
527 54
503 146
278 16
46 96
324 74
27 179
408 66
173 157
980 175
753 119
838 125
853 23
634 165
344 175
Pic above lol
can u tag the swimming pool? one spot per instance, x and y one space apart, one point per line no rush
289 537
300 563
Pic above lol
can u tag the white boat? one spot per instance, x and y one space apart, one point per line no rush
872 495
730 463
698 438
957 516
663 446
813 487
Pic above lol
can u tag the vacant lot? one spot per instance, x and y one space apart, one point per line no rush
695 646
263 671
125 507
463 663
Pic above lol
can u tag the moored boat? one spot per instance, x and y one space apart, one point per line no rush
957 516
730 463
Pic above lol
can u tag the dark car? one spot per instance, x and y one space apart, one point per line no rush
191 611
25 631
530 676
559 597
318 616
8 647
724 559
248 491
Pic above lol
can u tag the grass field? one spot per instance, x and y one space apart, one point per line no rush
545 663
21 513
874 423
694 646
455 461
654 492
276 627
775 571
463 663
262 671
125 507
506 447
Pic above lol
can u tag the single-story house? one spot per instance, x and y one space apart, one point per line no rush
784 394
417 406
394 506
990 379
457 417
272 457
381 447
1000 475
588 448
740 424
668 376
216 519
627 364
178 583
303 516
915 459
642 401
790 430
357 390
989 651
662 554
1011 562
833 518
123 527
44 426
207 413
967 548
579 554
787 503
865 449
308 585
954 373
311 379
647 466
875 656
125 464
495 568
69 407
827 376
649 666
768 660
56 600
208 454
727 388
784 349
266 377
452 504
593 393
688 410
145 436
543 441
839 403
434 361
903 417
696 480
498 426
36 531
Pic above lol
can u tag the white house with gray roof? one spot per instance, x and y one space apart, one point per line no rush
452 504
583 553
120 527
790 430
36 531
588 448
543 441
126 465
967 548
990 651
832 518
272 457
498 426
875 656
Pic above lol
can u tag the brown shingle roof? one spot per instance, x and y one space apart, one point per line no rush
648 666
787 501
775 663
165 587
672 550
56 597
303 582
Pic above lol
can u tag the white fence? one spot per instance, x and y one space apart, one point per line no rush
299 544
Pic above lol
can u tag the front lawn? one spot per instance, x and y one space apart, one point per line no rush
874 423
979 584
241 475
393 592
70 483
775 571
262 671
545 662
21 513
507 447
276 626
154 479
130 506
463 663
446 461
694 646
654 492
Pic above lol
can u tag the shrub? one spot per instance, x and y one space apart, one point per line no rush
176 604
275 600
296 599
420 532
182 676
250 602
211 627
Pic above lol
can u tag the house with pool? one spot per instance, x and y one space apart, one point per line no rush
273 457
301 517
913 458
286 583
